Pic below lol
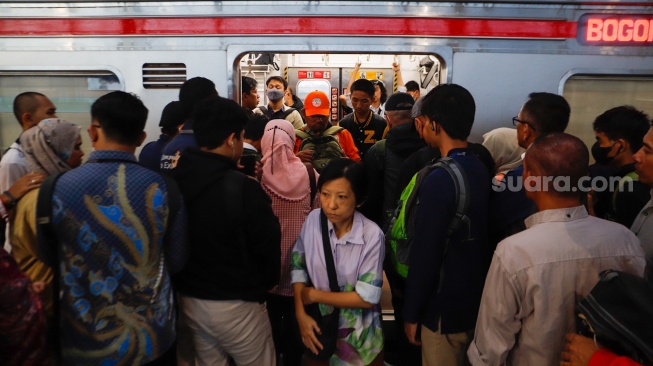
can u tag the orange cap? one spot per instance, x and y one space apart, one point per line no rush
317 102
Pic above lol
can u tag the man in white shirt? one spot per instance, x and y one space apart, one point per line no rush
30 108
537 276
643 226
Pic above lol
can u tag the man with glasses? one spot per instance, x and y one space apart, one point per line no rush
542 113
318 141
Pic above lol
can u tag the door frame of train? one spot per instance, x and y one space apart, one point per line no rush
236 52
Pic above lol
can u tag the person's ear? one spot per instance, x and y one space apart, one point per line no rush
623 146
230 140
93 134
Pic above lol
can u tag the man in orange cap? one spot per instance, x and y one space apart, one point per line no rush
318 142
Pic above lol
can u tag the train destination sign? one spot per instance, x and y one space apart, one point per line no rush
615 30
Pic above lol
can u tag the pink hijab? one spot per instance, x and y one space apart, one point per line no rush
283 172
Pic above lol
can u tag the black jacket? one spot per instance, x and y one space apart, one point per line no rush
231 257
383 164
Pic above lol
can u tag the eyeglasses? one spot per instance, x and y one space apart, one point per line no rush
515 120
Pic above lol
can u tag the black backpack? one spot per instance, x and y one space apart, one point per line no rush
618 313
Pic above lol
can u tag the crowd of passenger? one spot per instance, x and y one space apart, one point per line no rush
220 244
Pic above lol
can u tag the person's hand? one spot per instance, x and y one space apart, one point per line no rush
577 351
357 65
411 333
258 170
395 67
25 184
307 297
36 287
306 156
307 329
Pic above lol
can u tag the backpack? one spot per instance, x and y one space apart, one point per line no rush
617 313
400 231
325 147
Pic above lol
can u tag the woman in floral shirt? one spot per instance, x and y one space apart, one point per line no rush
358 251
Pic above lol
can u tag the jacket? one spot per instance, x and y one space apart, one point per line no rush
231 257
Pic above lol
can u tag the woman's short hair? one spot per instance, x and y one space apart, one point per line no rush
345 168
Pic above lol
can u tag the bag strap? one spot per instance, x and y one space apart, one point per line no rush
287 112
311 180
328 255
48 249
461 185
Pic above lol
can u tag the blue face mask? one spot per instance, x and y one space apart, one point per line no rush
275 94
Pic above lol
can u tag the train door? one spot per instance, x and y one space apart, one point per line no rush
333 73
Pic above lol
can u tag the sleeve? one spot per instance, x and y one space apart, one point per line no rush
497 325
603 357
370 270
348 146
296 119
434 211
176 248
298 262
263 232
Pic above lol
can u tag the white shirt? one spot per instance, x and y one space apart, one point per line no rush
12 167
537 277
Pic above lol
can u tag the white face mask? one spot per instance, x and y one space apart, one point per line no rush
275 94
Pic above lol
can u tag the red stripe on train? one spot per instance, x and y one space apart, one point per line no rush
321 25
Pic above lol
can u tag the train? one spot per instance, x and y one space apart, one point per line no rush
597 54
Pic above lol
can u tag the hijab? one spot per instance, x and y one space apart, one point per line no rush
502 145
283 172
49 144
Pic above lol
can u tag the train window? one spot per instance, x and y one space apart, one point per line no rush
306 86
591 95
72 92
332 73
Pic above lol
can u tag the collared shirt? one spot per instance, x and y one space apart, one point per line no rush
536 278
643 228
117 251
358 257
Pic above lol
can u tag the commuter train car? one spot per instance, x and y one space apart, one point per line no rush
597 54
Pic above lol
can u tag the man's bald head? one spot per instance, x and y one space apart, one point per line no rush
558 155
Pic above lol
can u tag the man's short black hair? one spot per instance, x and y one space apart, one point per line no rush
345 168
623 122
215 118
412 86
255 126
122 117
452 107
279 79
26 102
248 84
194 90
363 85
548 112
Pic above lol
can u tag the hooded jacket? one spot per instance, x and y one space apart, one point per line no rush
231 257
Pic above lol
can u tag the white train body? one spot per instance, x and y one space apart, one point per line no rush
598 55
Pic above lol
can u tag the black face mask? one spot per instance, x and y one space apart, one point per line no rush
600 154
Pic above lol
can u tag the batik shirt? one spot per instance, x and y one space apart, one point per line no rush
358 257
110 218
